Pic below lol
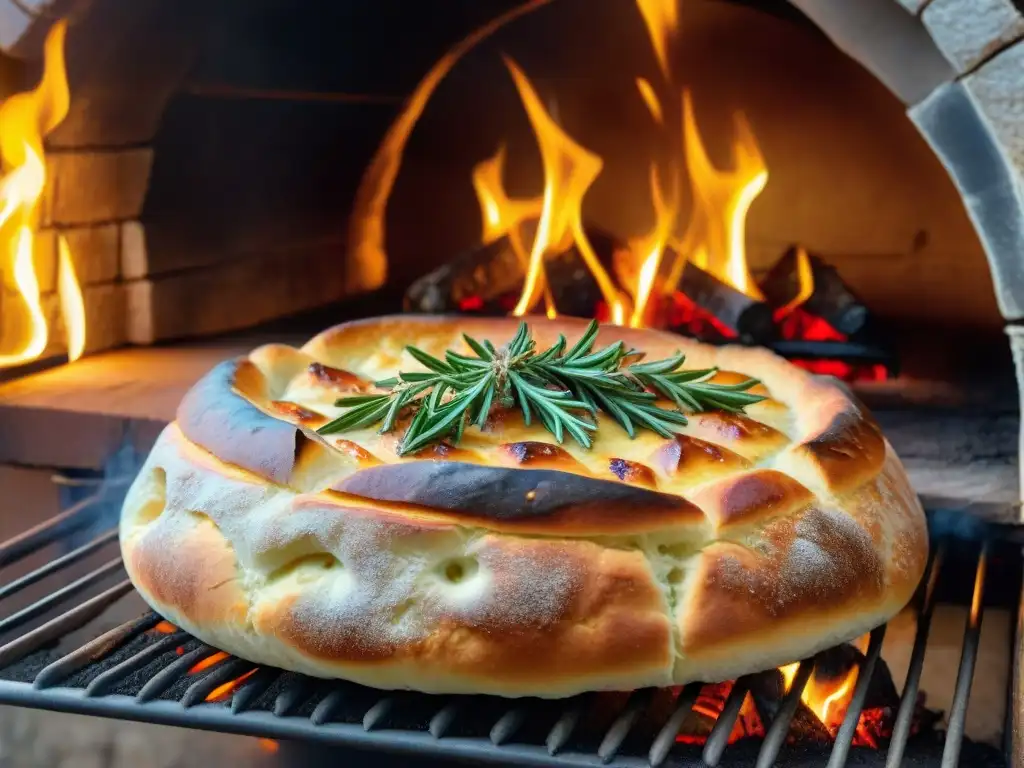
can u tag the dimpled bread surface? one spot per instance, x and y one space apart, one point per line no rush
509 564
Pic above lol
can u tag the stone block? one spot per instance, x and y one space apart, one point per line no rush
95 252
104 316
887 41
96 187
969 31
995 89
104 320
984 162
233 295
134 256
1016 334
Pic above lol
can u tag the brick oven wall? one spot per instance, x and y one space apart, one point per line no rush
955 64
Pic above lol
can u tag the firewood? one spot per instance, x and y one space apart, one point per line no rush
831 299
488 279
749 318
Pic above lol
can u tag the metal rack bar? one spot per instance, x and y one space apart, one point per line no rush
247 695
67 622
41 606
442 721
376 714
59 564
965 675
564 727
108 680
718 739
291 698
329 705
905 714
78 659
666 737
844 738
506 726
779 728
222 673
167 676
35 538
619 730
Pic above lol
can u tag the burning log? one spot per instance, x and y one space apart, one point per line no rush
747 318
805 281
488 280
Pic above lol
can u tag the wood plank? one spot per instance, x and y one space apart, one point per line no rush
78 415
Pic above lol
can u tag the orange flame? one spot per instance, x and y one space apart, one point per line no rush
715 238
208 662
662 20
165 628
652 248
569 171
805 284
270 746
366 237
25 119
827 698
221 692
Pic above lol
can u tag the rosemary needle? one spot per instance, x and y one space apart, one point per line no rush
562 388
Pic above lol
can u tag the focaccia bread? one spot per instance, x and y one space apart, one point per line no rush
509 564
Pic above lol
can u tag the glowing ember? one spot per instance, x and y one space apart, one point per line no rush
222 692
270 746
25 119
165 628
827 697
710 703
208 662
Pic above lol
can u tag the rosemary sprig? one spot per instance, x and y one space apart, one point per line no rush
563 388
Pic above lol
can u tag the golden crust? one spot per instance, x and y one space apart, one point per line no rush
508 564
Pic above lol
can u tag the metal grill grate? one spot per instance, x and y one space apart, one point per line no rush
136 673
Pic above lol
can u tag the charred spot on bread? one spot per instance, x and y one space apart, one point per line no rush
538 455
633 472
685 454
338 378
445 450
508 495
296 411
214 416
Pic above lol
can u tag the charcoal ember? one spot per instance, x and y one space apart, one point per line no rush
488 279
751 319
832 299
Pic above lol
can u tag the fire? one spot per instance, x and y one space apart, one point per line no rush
805 278
270 746
827 698
221 692
717 229
569 171
165 628
208 662
25 120
713 238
